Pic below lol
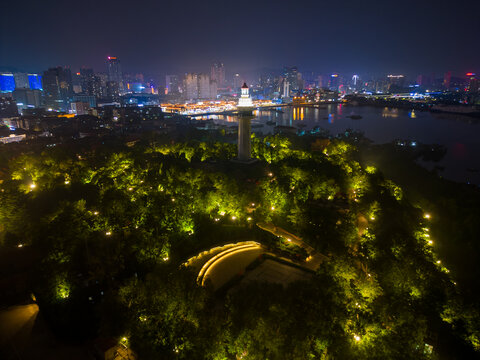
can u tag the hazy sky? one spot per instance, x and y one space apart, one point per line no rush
412 36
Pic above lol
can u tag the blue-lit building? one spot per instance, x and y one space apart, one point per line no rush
7 83
35 81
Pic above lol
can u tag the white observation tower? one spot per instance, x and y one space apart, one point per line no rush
245 108
245 101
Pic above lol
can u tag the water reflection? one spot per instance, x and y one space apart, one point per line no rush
389 113
421 126
339 109
298 113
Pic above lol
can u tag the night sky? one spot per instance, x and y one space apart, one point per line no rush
410 36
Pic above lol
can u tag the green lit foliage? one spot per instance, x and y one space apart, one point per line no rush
461 315
268 321
196 151
394 190
166 313
371 169
62 288
272 148
121 221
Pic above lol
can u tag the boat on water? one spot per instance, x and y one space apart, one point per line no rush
355 117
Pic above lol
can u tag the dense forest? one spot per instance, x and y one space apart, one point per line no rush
110 228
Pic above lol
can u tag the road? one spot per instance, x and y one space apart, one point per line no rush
16 324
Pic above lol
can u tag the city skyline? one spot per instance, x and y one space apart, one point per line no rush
314 36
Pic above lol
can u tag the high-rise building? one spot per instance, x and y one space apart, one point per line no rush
57 87
21 81
35 82
321 81
446 79
293 77
7 82
203 86
396 82
114 71
237 82
473 82
218 74
199 86
103 82
27 98
91 83
355 80
112 90
191 86
77 83
213 90
334 82
286 89
172 84
423 80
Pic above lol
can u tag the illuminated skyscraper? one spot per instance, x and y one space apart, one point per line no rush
35 81
203 86
218 74
355 79
293 77
91 84
7 82
213 89
199 86
473 82
191 86
172 84
237 82
112 90
115 71
57 87
396 82
334 82
286 89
